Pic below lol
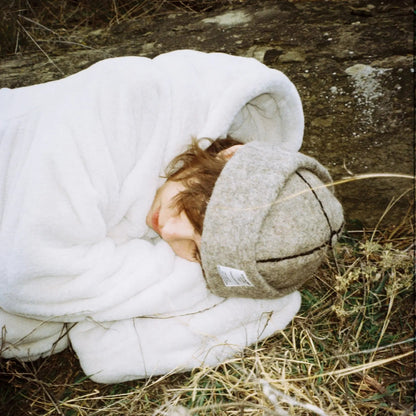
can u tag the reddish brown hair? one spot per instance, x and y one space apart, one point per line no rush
198 170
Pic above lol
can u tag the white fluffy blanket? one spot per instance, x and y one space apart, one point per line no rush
80 161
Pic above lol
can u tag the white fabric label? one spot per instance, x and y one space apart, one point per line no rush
233 277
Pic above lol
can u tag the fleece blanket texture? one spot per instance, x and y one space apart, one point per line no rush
80 161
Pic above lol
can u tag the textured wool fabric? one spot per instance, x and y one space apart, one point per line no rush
268 224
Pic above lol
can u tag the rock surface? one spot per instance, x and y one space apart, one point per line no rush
352 63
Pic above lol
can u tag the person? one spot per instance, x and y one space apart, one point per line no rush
96 247
178 209
177 213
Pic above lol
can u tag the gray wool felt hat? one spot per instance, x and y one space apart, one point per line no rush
268 224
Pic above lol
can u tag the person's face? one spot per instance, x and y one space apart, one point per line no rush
175 228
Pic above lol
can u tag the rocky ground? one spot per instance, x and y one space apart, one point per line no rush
352 63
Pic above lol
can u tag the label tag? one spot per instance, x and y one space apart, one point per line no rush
233 277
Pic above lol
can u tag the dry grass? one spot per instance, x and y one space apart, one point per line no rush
349 352
45 25
50 25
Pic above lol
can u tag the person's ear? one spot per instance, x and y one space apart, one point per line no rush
229 152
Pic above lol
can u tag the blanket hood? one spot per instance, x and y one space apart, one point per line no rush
247 100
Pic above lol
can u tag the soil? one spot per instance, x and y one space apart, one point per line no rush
352 63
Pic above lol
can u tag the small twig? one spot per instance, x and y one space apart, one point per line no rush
348 170
370 381
242 404
116 11
272 394
354 369
68 42
16 46
409 410
371 350
44 389
391 204
38 24
36 43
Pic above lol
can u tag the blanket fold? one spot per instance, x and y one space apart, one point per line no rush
80 161
154 346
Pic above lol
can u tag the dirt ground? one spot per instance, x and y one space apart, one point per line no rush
352 63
